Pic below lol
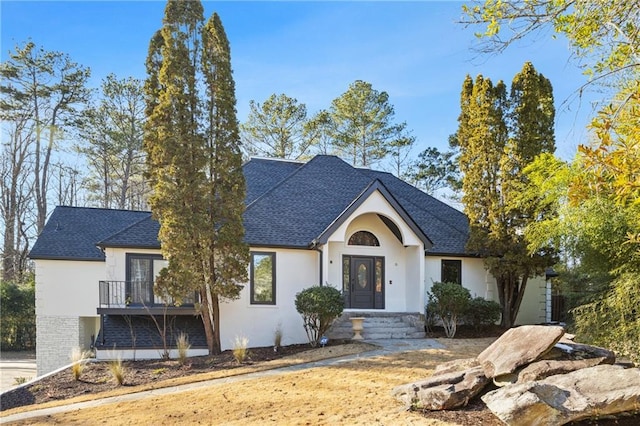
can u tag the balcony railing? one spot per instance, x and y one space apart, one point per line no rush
136 294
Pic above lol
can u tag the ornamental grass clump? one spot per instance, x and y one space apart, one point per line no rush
117 370
240 351
79 361
183 345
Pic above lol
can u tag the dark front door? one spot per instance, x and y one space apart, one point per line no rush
362 282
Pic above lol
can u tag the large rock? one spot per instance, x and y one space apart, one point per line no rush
590 392
567 350
518 346
455 365
542 369
443 391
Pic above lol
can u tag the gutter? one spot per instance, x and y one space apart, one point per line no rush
315 246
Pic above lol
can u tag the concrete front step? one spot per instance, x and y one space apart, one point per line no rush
380 325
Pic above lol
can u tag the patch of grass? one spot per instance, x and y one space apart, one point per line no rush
183 347
240 351
78 358
21 380
117 370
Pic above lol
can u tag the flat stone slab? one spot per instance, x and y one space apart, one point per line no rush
443 391
546 368
582 394
517 347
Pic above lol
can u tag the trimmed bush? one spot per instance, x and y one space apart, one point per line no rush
319 307
481 312
448 301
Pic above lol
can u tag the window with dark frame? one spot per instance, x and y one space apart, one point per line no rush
262 277
140 276
451 271
364 238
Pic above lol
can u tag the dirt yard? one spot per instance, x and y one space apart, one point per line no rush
352 393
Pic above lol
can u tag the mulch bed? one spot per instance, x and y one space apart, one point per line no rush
96 376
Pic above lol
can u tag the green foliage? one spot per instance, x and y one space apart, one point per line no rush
434 170
596 197
613 320
18 324
112 132
362 125
319 307
498 137
449 302
278 128
21 380
605 33
194 161
481 312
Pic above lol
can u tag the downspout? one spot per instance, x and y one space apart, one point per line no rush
314 246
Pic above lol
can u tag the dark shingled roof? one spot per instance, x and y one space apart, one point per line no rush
72 233
142 234
289 204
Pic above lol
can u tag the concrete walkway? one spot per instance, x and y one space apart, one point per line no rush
386 347
15 365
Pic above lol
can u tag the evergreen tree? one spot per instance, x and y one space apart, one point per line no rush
498 138
112 133
194 161
229 255
362 124
277 128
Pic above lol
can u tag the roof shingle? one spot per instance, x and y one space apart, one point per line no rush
289 204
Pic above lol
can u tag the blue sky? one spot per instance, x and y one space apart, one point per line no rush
415 51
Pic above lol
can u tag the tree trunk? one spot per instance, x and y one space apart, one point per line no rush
206 321
511 291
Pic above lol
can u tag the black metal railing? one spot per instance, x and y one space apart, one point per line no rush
124 294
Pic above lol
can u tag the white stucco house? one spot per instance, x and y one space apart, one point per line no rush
323 222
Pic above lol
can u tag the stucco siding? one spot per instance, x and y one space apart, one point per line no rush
66 302
295 271
533 306
402 265
482 284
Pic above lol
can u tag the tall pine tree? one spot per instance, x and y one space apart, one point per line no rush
194 161
498 137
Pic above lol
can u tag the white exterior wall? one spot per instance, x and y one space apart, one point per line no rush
66 302
474 276
482 284
533 307
403 261
295 271
116 261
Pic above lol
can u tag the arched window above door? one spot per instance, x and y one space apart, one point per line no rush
364 238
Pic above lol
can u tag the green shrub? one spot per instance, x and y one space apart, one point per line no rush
449 301
612 321
319 307
481 312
